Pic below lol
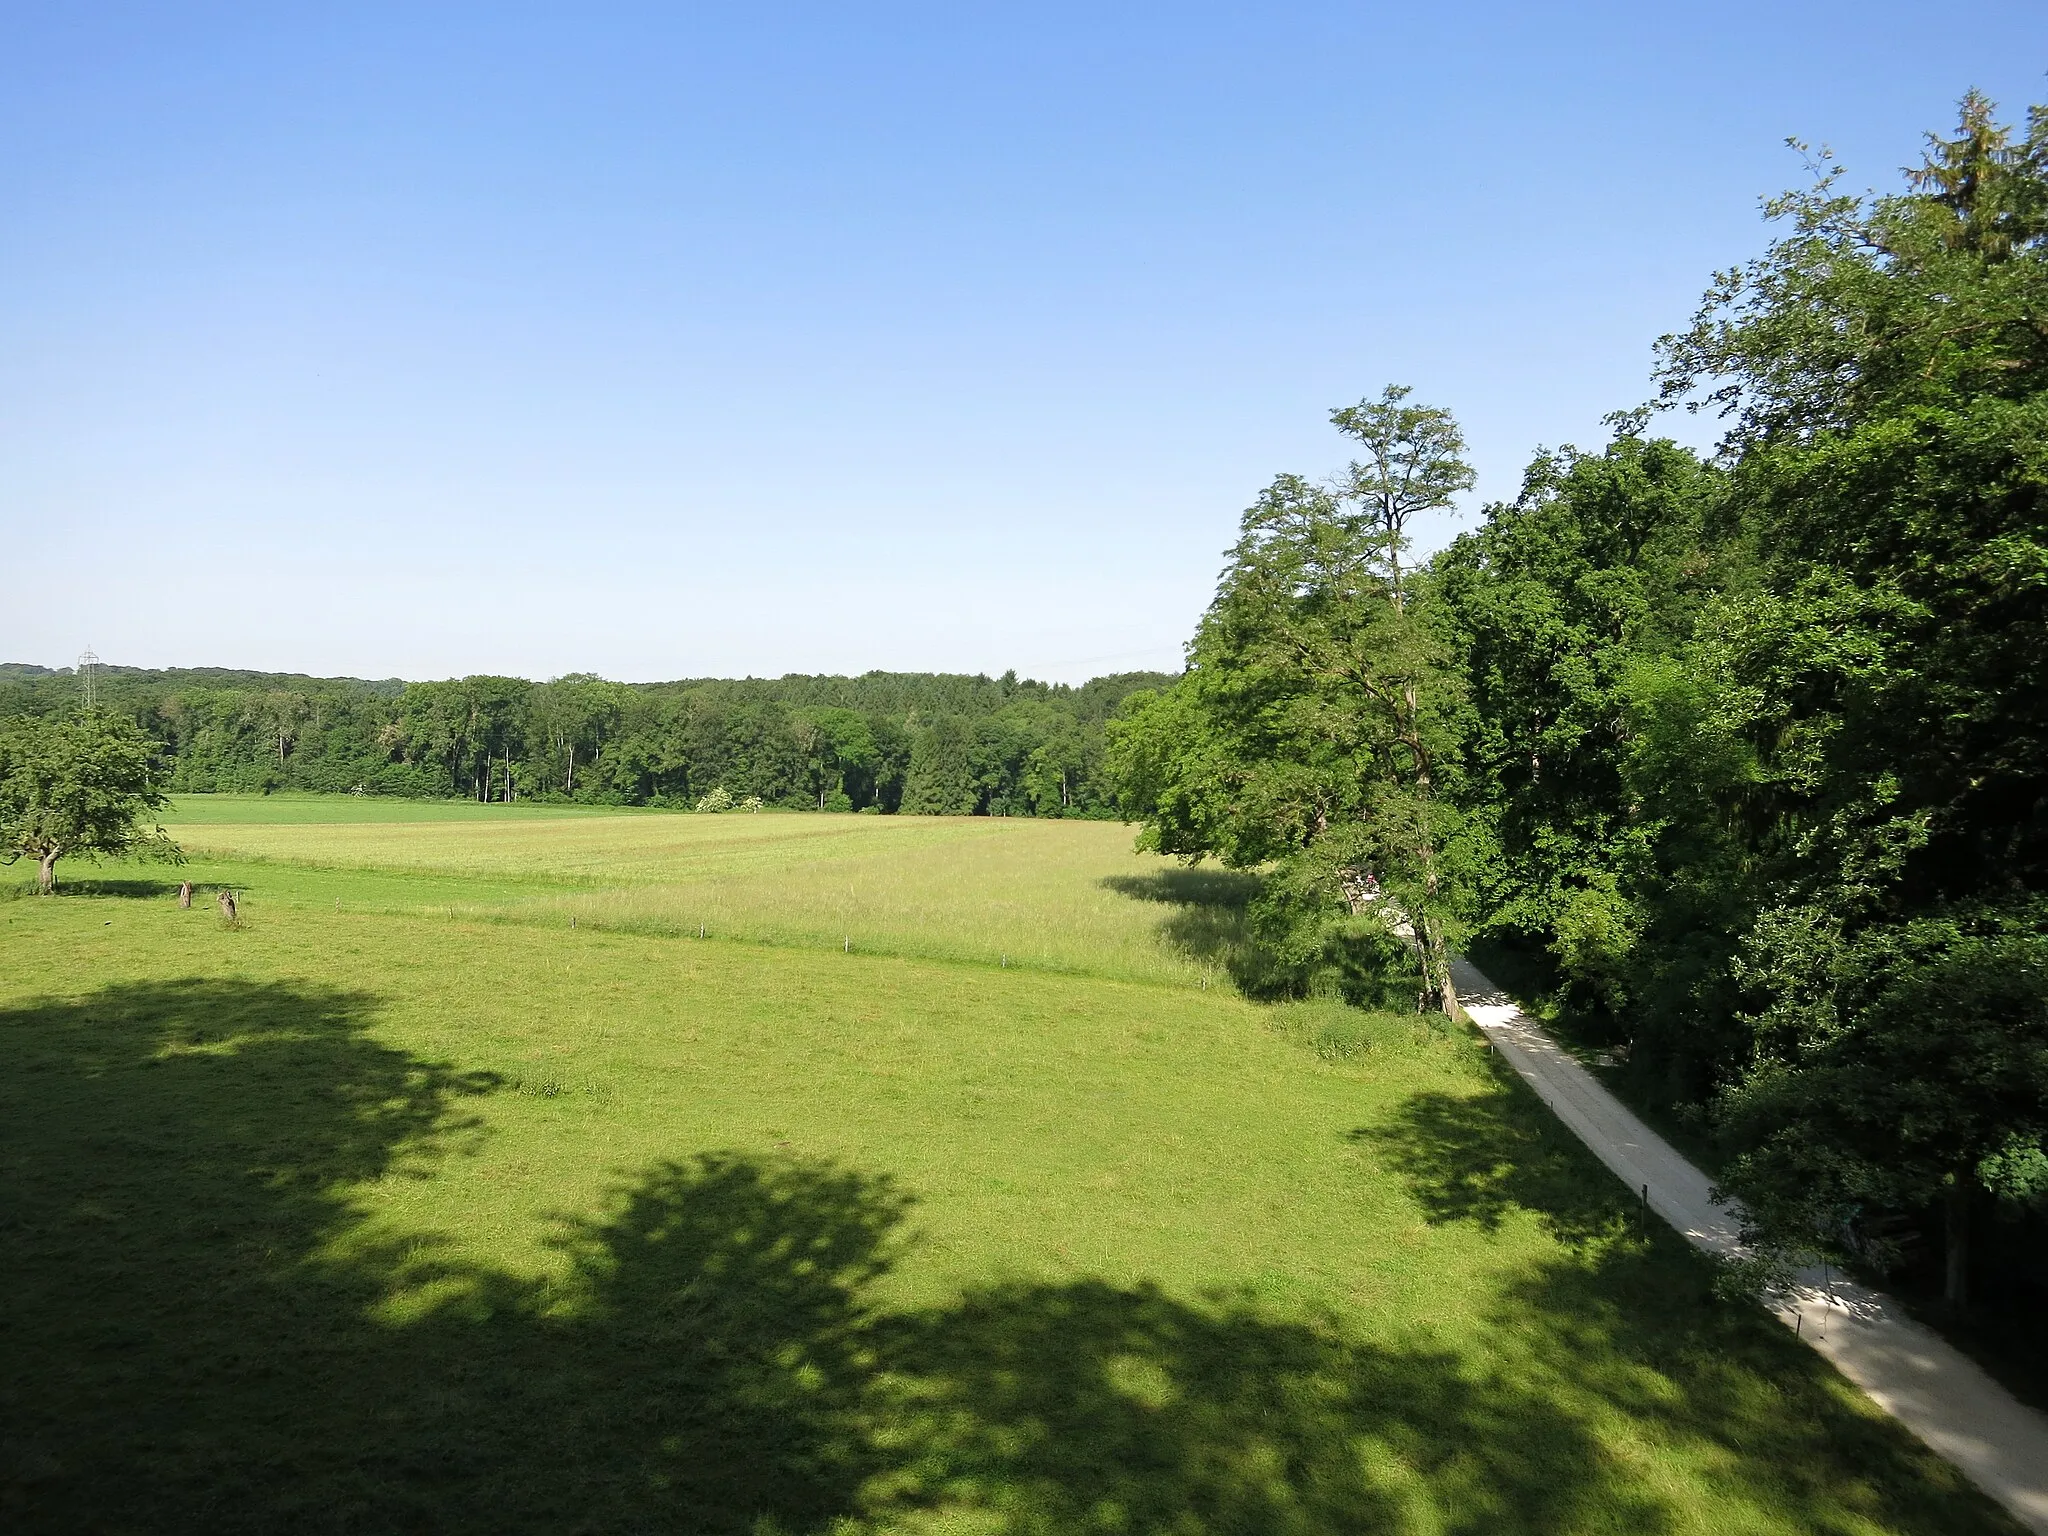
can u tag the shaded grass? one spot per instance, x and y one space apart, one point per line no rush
298 1237
1207 923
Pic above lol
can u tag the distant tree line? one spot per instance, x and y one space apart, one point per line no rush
1742 760
911 743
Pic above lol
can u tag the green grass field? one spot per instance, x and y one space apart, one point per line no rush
432 1212
1063 896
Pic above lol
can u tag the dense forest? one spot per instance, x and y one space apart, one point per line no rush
884 742
1740 759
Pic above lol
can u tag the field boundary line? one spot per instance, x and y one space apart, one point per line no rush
1907 1369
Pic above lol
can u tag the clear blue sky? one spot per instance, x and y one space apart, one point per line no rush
682 340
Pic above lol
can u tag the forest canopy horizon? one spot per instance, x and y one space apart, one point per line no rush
913 742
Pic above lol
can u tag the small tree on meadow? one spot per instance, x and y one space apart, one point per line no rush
78 787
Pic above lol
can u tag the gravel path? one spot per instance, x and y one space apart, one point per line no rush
1932 1388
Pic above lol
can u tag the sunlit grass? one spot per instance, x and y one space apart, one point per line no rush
1047 894
299 808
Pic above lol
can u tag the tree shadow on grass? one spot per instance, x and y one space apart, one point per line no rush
1631 1309
201 1333
1766 1422
138 889
1208 921
1095 1408
202 1336
1482 1156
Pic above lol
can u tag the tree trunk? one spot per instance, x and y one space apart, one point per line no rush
1439 954
1436 961
1440 963
46 876
571 788
1956 1279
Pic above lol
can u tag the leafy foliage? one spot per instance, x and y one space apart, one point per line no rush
1751 754
1893 1062
1558 609
1886 370
1315 729
819 743
77 787
1764 744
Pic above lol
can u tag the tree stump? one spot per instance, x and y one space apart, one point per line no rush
185 895
227 905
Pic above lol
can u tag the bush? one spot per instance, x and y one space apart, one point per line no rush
1304 943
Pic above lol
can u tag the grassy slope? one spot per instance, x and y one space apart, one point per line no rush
378 1221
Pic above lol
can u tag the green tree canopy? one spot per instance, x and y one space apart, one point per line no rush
1316 730
1879 703
1558 609
77 787
940 778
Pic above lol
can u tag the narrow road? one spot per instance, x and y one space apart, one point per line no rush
1935 1390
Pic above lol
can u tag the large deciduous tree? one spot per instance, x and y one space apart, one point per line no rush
280 713
570 718
77 788
1315 731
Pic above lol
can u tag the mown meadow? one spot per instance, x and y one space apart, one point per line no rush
944 1185
979 889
